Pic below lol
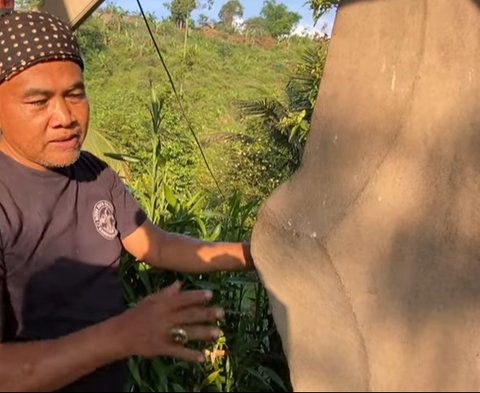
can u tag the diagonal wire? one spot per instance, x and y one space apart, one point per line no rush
177 96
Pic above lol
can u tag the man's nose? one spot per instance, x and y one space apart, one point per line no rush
62 115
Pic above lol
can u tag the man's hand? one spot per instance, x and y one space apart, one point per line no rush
143 330
146 329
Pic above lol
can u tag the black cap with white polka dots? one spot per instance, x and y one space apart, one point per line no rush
28 38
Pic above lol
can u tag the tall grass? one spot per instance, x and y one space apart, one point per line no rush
248 355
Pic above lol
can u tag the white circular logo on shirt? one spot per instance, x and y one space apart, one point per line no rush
104 219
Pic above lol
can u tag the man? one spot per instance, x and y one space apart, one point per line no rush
64 219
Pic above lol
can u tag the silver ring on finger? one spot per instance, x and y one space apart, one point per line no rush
178 335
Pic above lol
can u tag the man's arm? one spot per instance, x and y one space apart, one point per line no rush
143 330
53 364
172 251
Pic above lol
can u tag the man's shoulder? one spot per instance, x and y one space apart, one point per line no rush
89 167
87 158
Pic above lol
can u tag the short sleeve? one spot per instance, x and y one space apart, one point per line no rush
128 213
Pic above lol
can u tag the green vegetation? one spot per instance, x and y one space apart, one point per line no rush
287 124
249 99
320 7
278 19
218 70
230 10
248 356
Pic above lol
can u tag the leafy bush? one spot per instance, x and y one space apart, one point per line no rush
248 356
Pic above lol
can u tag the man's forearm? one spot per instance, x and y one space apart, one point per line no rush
52 364
227 256
187 254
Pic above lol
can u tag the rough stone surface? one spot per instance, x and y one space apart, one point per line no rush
371 251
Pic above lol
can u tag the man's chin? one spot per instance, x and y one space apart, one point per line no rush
61 163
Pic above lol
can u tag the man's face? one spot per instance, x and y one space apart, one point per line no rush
44 115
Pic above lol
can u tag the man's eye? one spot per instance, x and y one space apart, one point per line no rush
77 96
37 102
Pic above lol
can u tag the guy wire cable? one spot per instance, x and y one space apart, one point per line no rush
182 109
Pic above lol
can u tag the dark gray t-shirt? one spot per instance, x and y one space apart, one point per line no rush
60 247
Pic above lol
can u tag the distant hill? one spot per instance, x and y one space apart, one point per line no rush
213 72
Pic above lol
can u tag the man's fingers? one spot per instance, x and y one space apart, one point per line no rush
202 333
189 298
172 289
194 315
190 355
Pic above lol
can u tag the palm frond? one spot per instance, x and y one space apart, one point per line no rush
266 108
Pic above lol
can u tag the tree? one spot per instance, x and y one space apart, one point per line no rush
230 10
257 26
279 19
180 10
320 7
203 20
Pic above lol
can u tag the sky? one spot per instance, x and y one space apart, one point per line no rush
251 8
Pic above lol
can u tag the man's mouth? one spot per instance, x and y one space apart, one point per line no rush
68 141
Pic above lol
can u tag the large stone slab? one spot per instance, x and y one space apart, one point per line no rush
371 252
73 12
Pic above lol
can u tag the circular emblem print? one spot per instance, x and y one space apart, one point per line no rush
104 220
